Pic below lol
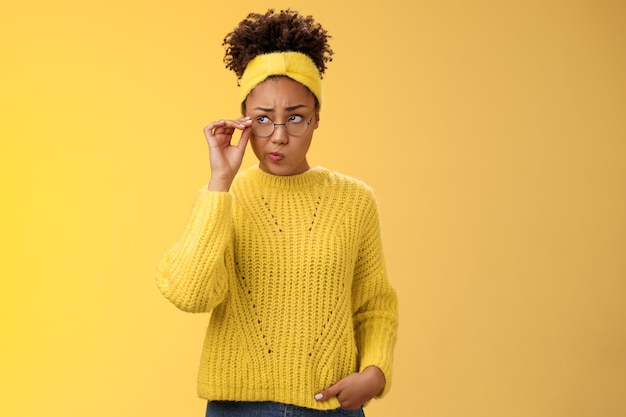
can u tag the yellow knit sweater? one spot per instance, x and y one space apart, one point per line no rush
292 270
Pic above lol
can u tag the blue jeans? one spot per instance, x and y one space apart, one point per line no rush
272 409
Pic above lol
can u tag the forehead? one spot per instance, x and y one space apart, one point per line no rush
280 92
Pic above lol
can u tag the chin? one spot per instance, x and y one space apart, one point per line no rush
284 171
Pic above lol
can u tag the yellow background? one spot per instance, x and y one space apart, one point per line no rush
494 133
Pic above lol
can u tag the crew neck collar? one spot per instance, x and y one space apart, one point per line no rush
309 178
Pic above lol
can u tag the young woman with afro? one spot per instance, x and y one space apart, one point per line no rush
286 257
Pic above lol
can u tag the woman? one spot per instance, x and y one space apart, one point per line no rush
286 257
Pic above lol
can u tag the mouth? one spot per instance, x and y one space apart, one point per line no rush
275 156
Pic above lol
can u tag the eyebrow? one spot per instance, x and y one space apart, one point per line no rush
271 110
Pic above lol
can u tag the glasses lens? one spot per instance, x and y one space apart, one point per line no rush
297 128
262 130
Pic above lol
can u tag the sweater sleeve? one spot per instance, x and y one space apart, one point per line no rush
193 274
375 302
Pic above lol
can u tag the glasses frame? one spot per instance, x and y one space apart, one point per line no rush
283 125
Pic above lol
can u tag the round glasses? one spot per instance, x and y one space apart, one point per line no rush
264 127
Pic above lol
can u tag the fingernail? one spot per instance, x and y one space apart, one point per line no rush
318 396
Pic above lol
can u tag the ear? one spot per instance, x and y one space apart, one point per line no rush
317 119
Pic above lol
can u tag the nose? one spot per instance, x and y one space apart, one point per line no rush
279 135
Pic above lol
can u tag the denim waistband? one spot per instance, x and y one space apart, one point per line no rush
272 409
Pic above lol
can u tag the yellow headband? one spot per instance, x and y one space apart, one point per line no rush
294 65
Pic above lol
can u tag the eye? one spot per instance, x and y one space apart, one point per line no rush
263 120
295 119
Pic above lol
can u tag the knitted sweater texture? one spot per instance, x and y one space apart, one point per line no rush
292 270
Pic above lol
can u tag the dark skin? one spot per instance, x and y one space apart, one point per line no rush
356 389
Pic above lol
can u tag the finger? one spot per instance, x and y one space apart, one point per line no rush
243 119
240 123
229 128
243 140
217 128
329 392
349 401
209 128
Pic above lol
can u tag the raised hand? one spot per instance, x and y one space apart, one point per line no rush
226 158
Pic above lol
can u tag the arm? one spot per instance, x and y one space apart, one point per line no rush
375 301
193 274
375 316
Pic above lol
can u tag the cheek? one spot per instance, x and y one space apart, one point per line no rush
257 145
305 145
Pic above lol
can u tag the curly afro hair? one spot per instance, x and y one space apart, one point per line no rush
282 31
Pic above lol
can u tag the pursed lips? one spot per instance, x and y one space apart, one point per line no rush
275 156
